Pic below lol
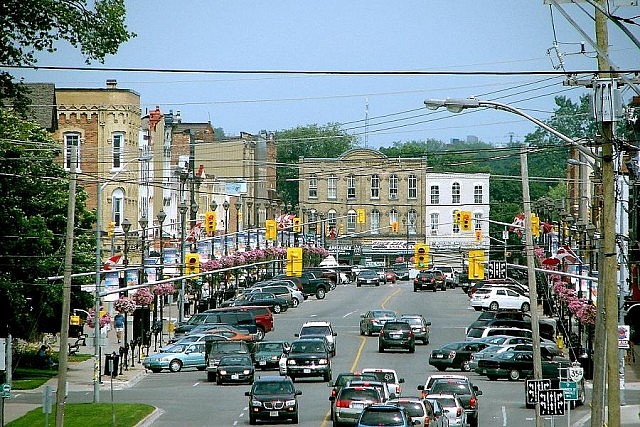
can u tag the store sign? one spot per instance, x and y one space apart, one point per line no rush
385 245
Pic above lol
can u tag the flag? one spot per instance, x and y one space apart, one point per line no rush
518 224
566 253
546 228
113 261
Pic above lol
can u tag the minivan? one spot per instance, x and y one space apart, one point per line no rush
234 316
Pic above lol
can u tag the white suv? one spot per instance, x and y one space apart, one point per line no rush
449 275
499 299
389 377
320 328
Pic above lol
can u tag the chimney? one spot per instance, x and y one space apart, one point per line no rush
112 83
177 117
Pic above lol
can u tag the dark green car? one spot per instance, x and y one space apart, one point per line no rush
267 354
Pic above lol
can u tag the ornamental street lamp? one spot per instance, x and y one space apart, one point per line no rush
257 222
161 216
214 207
226 205
182 208
144 222
238 206
274 206
249 226
126 226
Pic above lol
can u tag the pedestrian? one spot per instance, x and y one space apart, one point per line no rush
187 304
118 321
44 357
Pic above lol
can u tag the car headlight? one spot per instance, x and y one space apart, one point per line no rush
323 361
256 403
246 372
274 357
291 402
222 372
291 362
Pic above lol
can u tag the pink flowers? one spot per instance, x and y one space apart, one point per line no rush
143 296
105 319
124 305
163 289
579 307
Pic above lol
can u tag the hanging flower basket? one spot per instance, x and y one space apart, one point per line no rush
124 305
105 319
163 289
143 297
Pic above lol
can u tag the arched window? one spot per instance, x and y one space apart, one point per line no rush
412 222
393 187
375 221
393 217
351 221
117 206
332 187
375 186
351 187
412 187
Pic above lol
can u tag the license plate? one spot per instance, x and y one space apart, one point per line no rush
263 362
235 376
439 356
357 405
307 371
273 413
396 336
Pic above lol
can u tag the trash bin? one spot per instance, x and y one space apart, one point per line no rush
111 364
587 364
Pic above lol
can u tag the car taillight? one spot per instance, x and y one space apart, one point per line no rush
452 354
459 412
472 402
333 393
426 421
397 390
343 403
410 334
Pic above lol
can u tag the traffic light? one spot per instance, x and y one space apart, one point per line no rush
297 225
272 229
294 261
210 221
361 216
465 221
535 225
394 226
192 263
110 227
340 229
421 256
476 264
478 235
457 217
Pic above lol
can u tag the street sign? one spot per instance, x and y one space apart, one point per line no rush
570 390
533 388
551 402
6 391
496 270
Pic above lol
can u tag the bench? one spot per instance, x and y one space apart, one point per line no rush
75 347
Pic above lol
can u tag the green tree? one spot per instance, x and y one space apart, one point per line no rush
95 27
327 141
35 195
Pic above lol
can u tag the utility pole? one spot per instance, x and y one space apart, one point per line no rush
61 393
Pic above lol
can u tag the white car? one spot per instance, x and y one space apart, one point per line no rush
320 328
498 299
389 377
452 407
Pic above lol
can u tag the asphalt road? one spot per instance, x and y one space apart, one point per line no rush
186 398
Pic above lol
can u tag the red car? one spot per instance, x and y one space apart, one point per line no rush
390 276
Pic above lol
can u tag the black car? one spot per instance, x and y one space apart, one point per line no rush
307 357
273 398
516 365
268 299
462 387
345 378
368 277
235 369
396 334
455 355
426 280
380 414
267 354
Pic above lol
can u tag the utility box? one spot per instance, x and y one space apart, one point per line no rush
606 101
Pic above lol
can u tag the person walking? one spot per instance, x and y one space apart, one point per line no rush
118 321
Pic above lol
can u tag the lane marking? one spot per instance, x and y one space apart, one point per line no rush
387 299
196 384
504 416
348 314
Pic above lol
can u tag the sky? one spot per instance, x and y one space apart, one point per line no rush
337 35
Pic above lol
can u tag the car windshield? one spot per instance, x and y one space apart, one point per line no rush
412 320
368 273
414 408
307 347
235 360
475 332
275 387
386 417
450 387
383 313
269 346
483 291
447 402
452 346
315 330
395 326
343 380
177 348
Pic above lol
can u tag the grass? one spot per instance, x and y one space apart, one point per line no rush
30 378
89 414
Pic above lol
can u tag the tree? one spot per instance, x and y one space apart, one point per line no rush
34 191
28 27
327 141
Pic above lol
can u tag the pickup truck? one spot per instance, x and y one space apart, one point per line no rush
312 285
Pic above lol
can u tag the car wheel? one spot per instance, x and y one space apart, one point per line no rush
277 308
156 370
361 331
201 368
327 376
380 348
219 381
377 283
175 365
441 368
415 289
492 377
435 289
320 293
357 285
252 420
514 375
259 334
211 376
295 302
412 349
493 306
465 366
526 306
294 420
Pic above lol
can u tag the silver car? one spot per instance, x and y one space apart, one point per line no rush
419 326
351 401
420 411
452 407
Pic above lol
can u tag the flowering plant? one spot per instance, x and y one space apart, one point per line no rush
143 296
105 318
124 305
163 289
584 311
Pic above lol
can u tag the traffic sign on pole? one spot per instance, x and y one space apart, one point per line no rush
570 390
551 402
533 388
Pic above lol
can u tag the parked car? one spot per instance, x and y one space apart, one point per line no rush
460 386
177 357
191 338
420 410
307 357
499 298
419 326
373 320
455 355
426 280
273 398
234 316
284 291
276 304
368 277
396 334
351 401
267 354
452 407
320 328
235 369
387 376
380 414
516 365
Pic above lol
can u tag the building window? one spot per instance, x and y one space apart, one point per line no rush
351 187
117 149
393 217
477 221
351 221
117 206
313 187
477 194
412 222
434 223
331 218
455 192
412 187
456 227
375 221
313 221
435 195
375 186
332 187
71 141
393 187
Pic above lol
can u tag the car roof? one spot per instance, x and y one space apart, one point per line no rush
271 378
378 370
316 323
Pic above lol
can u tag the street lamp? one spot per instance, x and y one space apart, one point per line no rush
214 207
161 216
238 206
144 222
257 221
182 208
249 226
126 226
274 206
225 205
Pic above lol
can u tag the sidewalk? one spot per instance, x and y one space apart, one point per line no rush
79 378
